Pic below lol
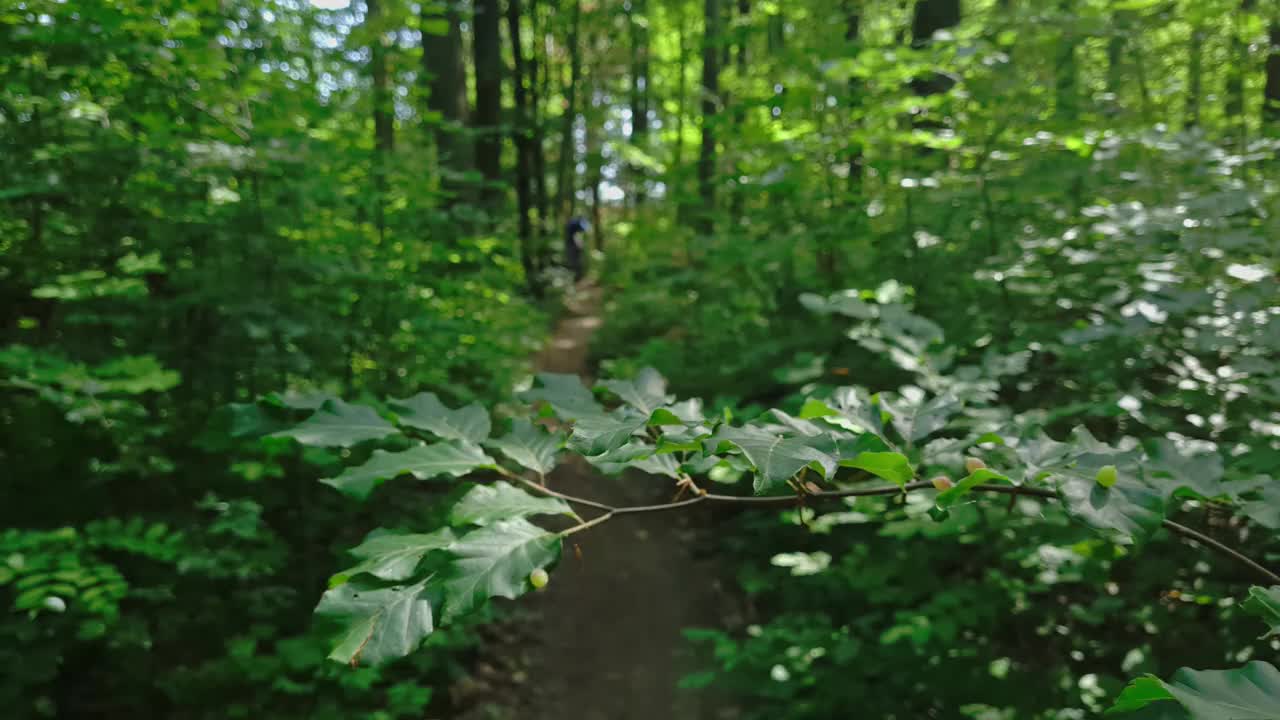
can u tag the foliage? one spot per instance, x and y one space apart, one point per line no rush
387 604
262 261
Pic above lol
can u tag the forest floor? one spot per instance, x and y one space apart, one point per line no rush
604 640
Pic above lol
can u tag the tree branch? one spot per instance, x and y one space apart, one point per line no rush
792 500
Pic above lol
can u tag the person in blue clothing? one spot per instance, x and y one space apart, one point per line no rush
574 245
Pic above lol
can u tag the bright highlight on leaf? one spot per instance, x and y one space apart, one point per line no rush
890 466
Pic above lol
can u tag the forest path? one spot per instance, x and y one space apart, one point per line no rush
604 640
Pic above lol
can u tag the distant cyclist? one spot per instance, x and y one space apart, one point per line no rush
574 233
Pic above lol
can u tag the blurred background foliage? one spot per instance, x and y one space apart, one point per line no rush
205 202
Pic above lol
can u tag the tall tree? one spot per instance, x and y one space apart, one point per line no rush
487 49
1271 89
1117 42
383 104
523 141
539 74
638 32
741 62
1239 59
710 108
1066 69
852 31
445 73
383 110
1195 74
568 154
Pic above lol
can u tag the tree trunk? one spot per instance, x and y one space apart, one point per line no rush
383 117
1195 76
1115 57
741 61
676 183
539 67
1235 70
776 32
486 46
524 151
1271 90
568 154
853 24
446 81
639 95
710 107
827 257
383 108
1066 101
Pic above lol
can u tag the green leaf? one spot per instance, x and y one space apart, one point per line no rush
659 465
637 456
621 458
295 400
486 504
856 410
1171 470
1127 512
425 412
529 446
689 411
377 624
814 408
423 462
915 422
392 555
663 416
891 466
495 561
567 396
338 424
949 498
845 302
599 434
776 458
1139 693
1248 693
1265 603
1040 455
646 393
1266 510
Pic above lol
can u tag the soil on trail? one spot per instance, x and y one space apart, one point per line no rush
604 640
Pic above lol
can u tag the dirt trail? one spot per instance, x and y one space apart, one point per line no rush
603 641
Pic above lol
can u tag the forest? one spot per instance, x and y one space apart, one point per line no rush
595 359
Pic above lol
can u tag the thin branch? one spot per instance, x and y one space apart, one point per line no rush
792 500
588 524
608 509
822 495
631 510
1212 544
